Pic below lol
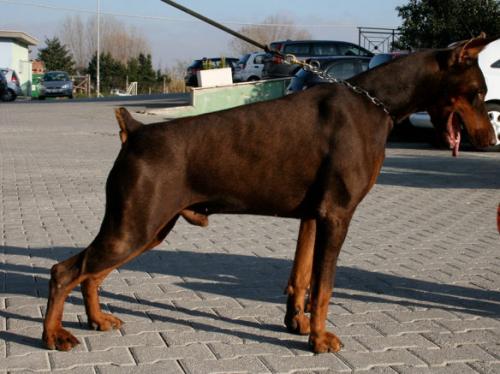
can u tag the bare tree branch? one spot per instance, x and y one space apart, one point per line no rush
277 27
120 41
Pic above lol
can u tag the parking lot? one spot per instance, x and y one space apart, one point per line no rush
417 291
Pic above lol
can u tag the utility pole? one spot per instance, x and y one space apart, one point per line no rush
98 75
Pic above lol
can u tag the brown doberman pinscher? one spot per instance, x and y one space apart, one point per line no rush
313 155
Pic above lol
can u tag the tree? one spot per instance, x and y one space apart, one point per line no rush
56 56
73 35
111 72
437 23
120 41
140 69
273 28
147 73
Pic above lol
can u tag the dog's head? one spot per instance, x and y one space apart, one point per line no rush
462 90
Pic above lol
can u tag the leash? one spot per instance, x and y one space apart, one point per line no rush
360 91
288 58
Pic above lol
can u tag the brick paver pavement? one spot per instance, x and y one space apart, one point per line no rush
418 287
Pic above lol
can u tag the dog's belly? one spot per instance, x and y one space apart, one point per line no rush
283 186
234 205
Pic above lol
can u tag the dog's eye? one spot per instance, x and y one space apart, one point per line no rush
473 97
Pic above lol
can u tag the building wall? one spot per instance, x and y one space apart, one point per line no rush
5 53
16 56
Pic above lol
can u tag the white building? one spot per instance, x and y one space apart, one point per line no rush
14 54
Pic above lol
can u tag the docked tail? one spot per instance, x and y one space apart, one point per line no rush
126 122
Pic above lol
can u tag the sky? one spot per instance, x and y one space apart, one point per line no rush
177 37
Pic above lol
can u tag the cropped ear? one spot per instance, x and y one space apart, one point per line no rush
465 52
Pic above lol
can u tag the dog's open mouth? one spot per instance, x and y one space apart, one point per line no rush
453 133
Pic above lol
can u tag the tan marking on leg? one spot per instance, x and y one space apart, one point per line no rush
300 279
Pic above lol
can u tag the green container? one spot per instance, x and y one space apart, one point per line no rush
35 85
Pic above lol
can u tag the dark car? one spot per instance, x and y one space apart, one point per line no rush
341 67
275 67
191 78
382 58
13 84
3 86
56 84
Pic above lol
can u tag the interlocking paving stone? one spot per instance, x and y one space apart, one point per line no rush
161 367
102 343
185 338
69 360
239 365
380 344
458 339
394 328
361 319
448 369
417 287
486 367
229 351
444 356
153 354
32 361
321 362
366 360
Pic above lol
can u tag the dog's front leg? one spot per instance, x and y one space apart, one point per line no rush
300 278
330 234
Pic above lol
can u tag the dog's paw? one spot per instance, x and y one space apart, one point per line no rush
325 342
298 324
104 322
59 339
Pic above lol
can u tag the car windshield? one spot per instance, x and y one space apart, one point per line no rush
195 65
55 76
244 59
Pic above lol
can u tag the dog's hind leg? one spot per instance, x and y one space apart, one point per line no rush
112 247
88 267
64 277
300 278
97 319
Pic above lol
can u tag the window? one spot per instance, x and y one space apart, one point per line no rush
324 49
352 50
298 49
55 76
259 59
244 59
343 70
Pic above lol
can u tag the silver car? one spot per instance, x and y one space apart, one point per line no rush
56 84
13 85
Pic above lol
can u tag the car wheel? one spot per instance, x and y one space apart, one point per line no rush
41 97
494 114
70 97
253 79
9 95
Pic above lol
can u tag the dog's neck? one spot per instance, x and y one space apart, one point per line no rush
405 86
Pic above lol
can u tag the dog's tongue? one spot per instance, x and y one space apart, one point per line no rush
453 133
